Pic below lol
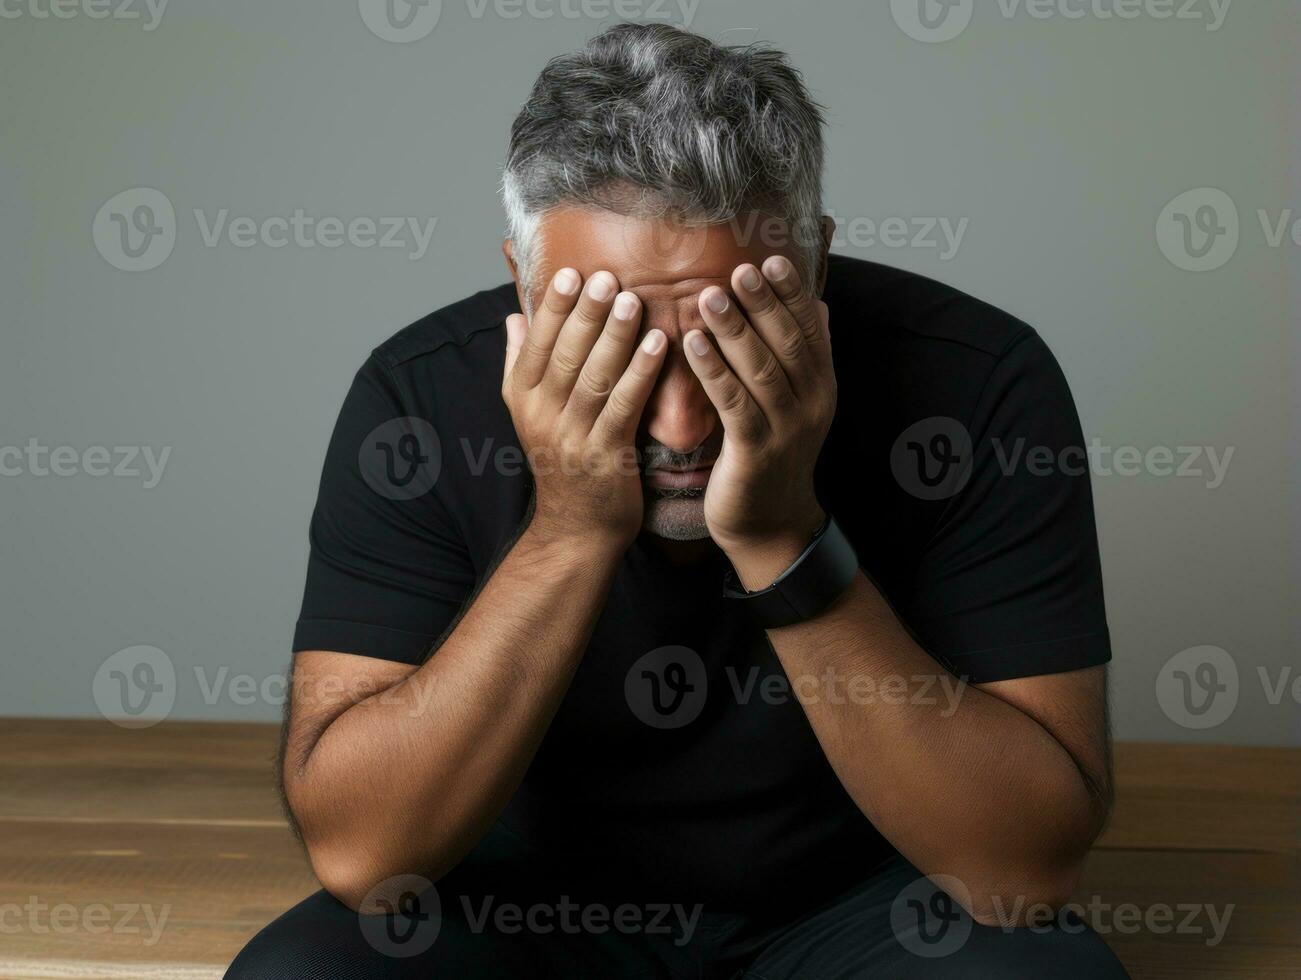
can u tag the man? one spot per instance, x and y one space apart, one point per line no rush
673 609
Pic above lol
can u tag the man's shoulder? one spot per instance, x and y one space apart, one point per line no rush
908 348
890 307
453 326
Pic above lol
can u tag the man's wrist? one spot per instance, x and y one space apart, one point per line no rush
570 547
759 562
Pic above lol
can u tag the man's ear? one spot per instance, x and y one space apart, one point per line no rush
828 231
508 250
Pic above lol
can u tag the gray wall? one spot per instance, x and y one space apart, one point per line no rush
1058 141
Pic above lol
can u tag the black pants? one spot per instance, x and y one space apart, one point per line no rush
895 924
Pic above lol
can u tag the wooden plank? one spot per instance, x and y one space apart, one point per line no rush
1203 797
181 820
1159 911
79 769
184 816
1206 797
81 969
171 893
43 742
210 897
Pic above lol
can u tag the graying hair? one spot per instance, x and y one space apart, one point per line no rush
652 120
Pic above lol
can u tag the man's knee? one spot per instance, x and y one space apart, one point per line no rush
317 938
1067 949
271 954
321 939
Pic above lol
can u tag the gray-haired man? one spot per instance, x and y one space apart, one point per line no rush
674 608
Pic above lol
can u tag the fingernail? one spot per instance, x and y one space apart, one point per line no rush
625 307
750 278
777 268
653 342
600 288
716 300
566 281
698 344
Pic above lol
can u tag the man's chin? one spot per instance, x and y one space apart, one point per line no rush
678 515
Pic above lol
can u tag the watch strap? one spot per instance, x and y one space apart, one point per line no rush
816 579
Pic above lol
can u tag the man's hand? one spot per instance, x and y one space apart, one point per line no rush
576 382
771 380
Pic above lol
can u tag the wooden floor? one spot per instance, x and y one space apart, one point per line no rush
157 853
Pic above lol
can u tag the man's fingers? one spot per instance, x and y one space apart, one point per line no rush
750 358
824 318
608 359
742 418
548 318
786 284
579 334
516 328
618 421
773 322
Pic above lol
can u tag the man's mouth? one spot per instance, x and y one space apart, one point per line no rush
674 478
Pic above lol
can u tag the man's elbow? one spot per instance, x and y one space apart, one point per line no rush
1031 888
1030 897
344 877
344 868
370 882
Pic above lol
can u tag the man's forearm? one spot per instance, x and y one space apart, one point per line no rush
965 785
1008 791
409 779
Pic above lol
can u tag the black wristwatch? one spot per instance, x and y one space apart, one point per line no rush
819 576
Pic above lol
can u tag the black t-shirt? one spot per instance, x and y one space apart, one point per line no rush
955 465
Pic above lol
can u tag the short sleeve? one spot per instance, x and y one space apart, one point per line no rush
388 571
1010 583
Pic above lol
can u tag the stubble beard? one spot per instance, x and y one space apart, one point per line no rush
677 515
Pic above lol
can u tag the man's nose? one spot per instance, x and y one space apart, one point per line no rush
679 414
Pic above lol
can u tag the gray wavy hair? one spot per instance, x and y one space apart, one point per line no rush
652 120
